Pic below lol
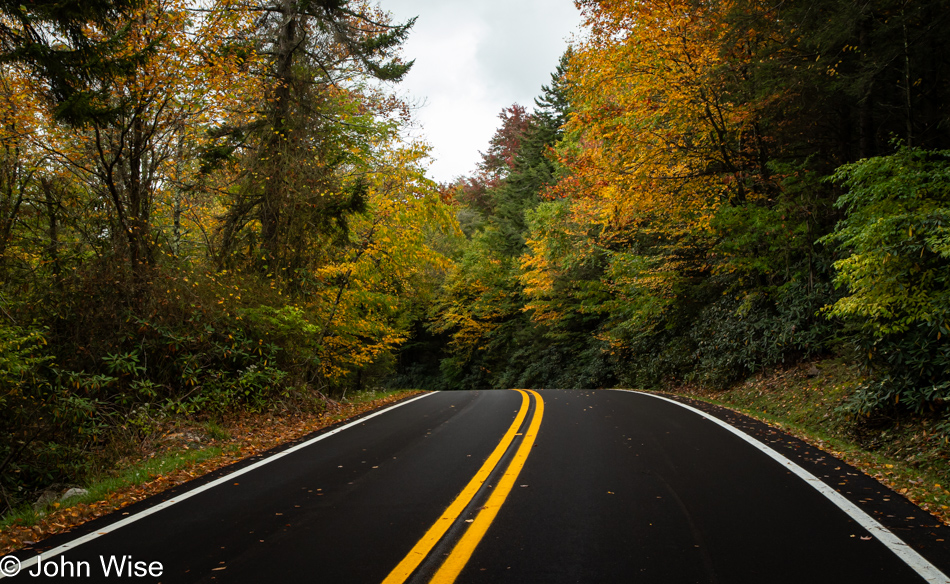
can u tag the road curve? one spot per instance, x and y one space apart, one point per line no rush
512 486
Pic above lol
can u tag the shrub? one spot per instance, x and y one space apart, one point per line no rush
896 274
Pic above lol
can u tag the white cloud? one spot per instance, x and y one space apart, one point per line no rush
471 60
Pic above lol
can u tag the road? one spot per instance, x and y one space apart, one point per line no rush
521 487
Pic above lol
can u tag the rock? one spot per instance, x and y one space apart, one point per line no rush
45 499
183 437
73 492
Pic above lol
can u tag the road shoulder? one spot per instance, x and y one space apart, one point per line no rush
919 529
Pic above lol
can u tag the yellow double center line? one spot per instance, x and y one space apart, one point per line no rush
463 550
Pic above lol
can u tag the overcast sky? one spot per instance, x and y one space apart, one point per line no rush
473 58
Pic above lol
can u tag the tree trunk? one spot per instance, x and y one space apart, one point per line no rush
52 219
271 205
866 145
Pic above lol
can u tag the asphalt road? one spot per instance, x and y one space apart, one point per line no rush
507 486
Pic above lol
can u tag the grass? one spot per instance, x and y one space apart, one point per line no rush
143 472
909 453
214 431
99 489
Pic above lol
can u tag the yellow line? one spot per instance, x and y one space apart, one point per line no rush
476 531
418 553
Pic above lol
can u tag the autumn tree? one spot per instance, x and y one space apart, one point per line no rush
151 270
128 159
19 157
499 159
312 124
698 141
75 46
496 162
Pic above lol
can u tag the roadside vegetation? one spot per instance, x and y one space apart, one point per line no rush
207 210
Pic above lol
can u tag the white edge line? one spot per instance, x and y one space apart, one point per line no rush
927 571
187 495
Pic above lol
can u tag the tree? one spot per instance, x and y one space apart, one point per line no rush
532 164
312 124
128 159
495 163
20 157
76 46
501 329
680 169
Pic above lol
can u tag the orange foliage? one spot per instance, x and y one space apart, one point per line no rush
660 136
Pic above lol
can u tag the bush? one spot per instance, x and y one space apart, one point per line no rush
50 417
119 354
897 274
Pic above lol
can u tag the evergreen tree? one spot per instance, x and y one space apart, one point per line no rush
72 45
311 129
533 167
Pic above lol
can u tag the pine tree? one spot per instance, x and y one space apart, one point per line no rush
533 167
311 127
79 64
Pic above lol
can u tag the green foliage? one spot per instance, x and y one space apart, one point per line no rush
95 379
47 425
898 232
736 337
897 273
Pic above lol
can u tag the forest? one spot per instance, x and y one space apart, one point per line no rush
214 207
